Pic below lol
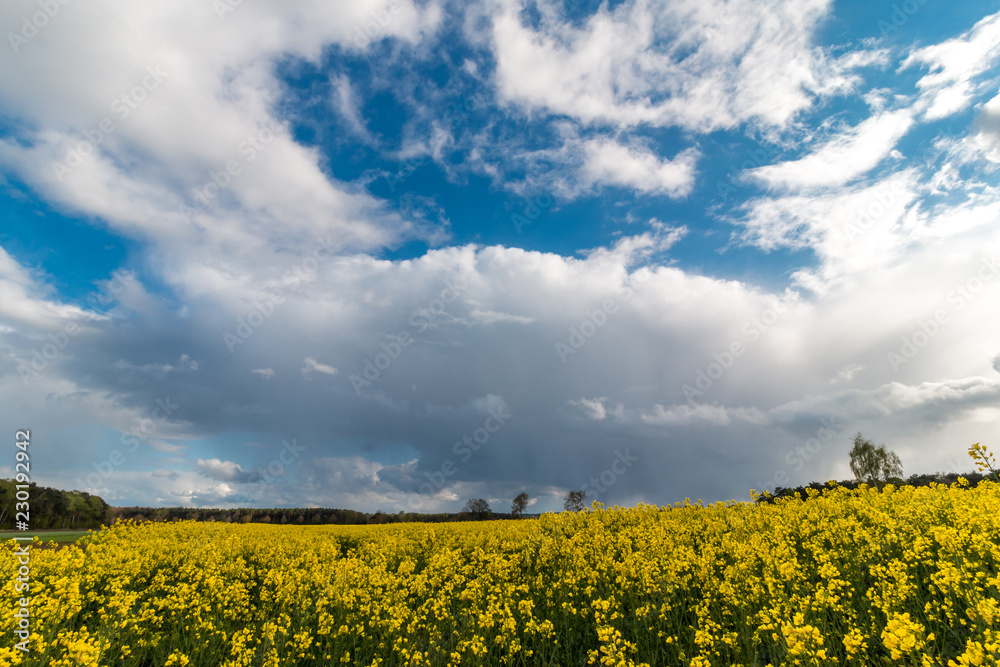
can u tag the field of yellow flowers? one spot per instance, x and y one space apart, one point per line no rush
904 577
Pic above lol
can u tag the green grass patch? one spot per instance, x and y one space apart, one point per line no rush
61 536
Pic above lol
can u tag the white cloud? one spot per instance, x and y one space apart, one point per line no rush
699 65
987 137
954 64
187 363
599 409
23 302
208 102
154 369
222 470
925 401
715 415
266 373
480 316
847 373
610 163
313 365
346 103
851 229
665 329
166 447
844 158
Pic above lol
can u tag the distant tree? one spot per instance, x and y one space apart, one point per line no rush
574 501
874 465
478 508
519 505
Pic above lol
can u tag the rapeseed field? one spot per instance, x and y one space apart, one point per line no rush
908 576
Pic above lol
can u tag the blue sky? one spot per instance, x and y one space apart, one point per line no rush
402 254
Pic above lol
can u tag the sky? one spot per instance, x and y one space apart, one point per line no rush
394 255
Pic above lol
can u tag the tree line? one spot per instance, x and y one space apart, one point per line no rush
50 508
292 515
974 478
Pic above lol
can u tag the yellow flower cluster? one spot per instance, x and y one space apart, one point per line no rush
983 458
904 577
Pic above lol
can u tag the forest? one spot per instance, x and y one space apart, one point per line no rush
287 515
50 508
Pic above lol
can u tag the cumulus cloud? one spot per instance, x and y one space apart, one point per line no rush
626 381
225 471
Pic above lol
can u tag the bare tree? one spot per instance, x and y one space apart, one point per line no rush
519 505
873 464
478 508
574 501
